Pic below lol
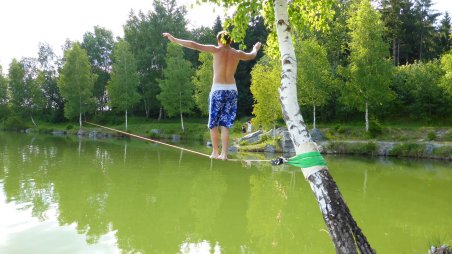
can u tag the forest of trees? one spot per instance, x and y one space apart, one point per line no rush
389 60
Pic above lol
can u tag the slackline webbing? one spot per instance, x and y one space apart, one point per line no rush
166 144
306 160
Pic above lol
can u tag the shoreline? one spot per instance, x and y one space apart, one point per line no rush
404 149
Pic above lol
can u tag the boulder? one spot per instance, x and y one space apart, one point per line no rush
316 135
269 149
233 149
59 133
278 132
175 138
286 143
156 131
251 138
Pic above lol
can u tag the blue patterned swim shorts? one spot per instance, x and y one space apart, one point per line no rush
222 106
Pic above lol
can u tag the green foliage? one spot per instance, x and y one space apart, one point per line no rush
368 148
408 150
76 82
370 71
314 81
3 95
3 88
144 34
418 93
202 80
375 128
431 135
15 123
264 138
69 127
443 152
304 15
265 80
26 96
446 65
99 46
122 88
176 87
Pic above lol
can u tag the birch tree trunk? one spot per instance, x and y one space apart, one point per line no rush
33 120
80 119
367 117
313 115
126 120
345 233
180 110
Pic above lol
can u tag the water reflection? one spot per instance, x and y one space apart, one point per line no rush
128 196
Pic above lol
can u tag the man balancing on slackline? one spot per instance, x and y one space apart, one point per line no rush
223 95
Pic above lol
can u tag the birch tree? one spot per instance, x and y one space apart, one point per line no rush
446 65
176 88
25 94
343 229
314 75
370 71
3 94
76 83
265 78
202 80
123 86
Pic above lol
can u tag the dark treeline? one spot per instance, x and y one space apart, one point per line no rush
91 80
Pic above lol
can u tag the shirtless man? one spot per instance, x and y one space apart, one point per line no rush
223 95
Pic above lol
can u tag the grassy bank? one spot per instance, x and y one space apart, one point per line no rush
195 128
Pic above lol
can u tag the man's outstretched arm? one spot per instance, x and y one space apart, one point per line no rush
191 44
250 56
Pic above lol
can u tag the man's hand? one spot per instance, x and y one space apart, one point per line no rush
257 46
168 36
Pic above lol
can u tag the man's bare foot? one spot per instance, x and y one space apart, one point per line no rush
222 157
214 156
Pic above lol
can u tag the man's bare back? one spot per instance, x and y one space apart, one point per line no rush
225 58
225 62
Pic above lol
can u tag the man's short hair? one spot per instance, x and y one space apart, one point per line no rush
224 37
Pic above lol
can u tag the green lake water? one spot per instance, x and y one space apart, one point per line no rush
65 195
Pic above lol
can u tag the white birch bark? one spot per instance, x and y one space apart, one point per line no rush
313 117
80 119
126 120
344 232
33 120
367 117
180 111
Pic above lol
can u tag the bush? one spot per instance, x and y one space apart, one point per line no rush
69 127
369 148
264 138
342 129
45 130
431 136
15 123
375 128
408 150
443 151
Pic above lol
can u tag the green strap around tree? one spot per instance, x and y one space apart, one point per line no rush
306 160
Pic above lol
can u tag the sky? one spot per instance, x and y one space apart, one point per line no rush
26 23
